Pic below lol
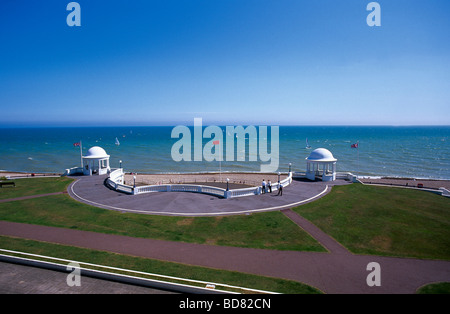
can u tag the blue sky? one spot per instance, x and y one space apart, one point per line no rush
235 62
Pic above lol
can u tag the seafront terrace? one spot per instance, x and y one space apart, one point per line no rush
116 181
109 192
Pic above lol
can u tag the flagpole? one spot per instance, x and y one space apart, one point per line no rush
81 154
357 153
220 155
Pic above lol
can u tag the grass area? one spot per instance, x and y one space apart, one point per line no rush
365 219
33 186
264 230
435 288
158 267
268 230
384 221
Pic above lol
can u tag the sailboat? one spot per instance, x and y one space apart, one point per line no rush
117 142
307 144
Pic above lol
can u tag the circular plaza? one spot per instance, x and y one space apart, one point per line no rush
93 190
200 194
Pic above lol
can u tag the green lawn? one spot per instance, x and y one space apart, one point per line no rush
157 267
264 230
384 221
365 219
435 288
33 186
267 230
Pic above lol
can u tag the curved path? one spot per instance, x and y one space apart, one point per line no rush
92 190
333 272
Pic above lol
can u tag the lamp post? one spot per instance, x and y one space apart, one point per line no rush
120 161
227 183
134 183
290 167
279 173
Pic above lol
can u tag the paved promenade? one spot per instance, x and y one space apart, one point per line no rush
92 190
337 271
20 279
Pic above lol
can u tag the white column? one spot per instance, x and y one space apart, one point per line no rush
334 170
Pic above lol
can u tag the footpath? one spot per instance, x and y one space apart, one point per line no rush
337 271
30 196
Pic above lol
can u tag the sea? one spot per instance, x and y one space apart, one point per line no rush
393 151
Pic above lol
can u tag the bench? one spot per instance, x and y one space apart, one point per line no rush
7 183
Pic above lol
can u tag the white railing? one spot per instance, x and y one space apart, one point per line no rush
117 176
287 181
180 188
444 192
245 192
152 188
346 176
339 175
213 191
116 179
72 171
124 188
257 190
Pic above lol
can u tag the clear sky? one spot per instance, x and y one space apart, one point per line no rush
233 62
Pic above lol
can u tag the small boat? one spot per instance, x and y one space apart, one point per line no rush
307 145
117 142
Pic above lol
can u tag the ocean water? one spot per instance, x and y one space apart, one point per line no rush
419 152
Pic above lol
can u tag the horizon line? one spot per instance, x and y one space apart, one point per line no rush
88 125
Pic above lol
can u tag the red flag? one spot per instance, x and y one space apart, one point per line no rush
216 142
355 145
76 144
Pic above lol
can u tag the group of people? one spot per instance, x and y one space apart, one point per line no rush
268 185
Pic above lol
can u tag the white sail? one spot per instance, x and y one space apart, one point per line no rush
307 144
117 142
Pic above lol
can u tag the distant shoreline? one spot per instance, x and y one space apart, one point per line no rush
28 174
365 177
253 177
149 150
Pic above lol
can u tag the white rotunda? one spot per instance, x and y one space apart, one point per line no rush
321 165
96 161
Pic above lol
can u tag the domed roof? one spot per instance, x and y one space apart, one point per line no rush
321 154
96 152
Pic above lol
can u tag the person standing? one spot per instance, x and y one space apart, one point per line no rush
280 190
263 187
269 185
